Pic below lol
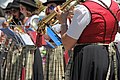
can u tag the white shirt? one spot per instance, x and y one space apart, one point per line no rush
57 28
81 19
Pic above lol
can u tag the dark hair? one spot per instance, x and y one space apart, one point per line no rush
2 14
18 20
16 9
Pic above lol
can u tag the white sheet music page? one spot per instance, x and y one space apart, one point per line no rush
26 38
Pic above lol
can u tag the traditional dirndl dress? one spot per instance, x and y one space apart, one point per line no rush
91 62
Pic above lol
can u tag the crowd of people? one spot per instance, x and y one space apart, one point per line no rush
87 30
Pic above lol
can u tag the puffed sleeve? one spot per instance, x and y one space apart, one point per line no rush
80 20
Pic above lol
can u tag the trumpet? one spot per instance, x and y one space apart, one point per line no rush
44 21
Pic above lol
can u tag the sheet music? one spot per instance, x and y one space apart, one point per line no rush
26 38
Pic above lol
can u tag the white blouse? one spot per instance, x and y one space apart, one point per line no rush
81 19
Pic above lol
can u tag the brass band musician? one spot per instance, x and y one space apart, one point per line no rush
92 30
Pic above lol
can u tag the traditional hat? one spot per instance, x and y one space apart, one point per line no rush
29 2
54 1
8 6
15 4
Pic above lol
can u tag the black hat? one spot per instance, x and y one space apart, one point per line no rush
8 6
29 2
54 1
15 4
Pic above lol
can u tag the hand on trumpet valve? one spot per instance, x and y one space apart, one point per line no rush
61 15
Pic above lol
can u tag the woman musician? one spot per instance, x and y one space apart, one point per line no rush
91 34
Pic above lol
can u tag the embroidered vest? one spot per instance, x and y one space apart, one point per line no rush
103 26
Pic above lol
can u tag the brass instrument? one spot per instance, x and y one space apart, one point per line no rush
44 21
39 6
9 19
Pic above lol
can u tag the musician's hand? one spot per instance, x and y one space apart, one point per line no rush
61 16
5 24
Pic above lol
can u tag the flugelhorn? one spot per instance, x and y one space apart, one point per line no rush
44 21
